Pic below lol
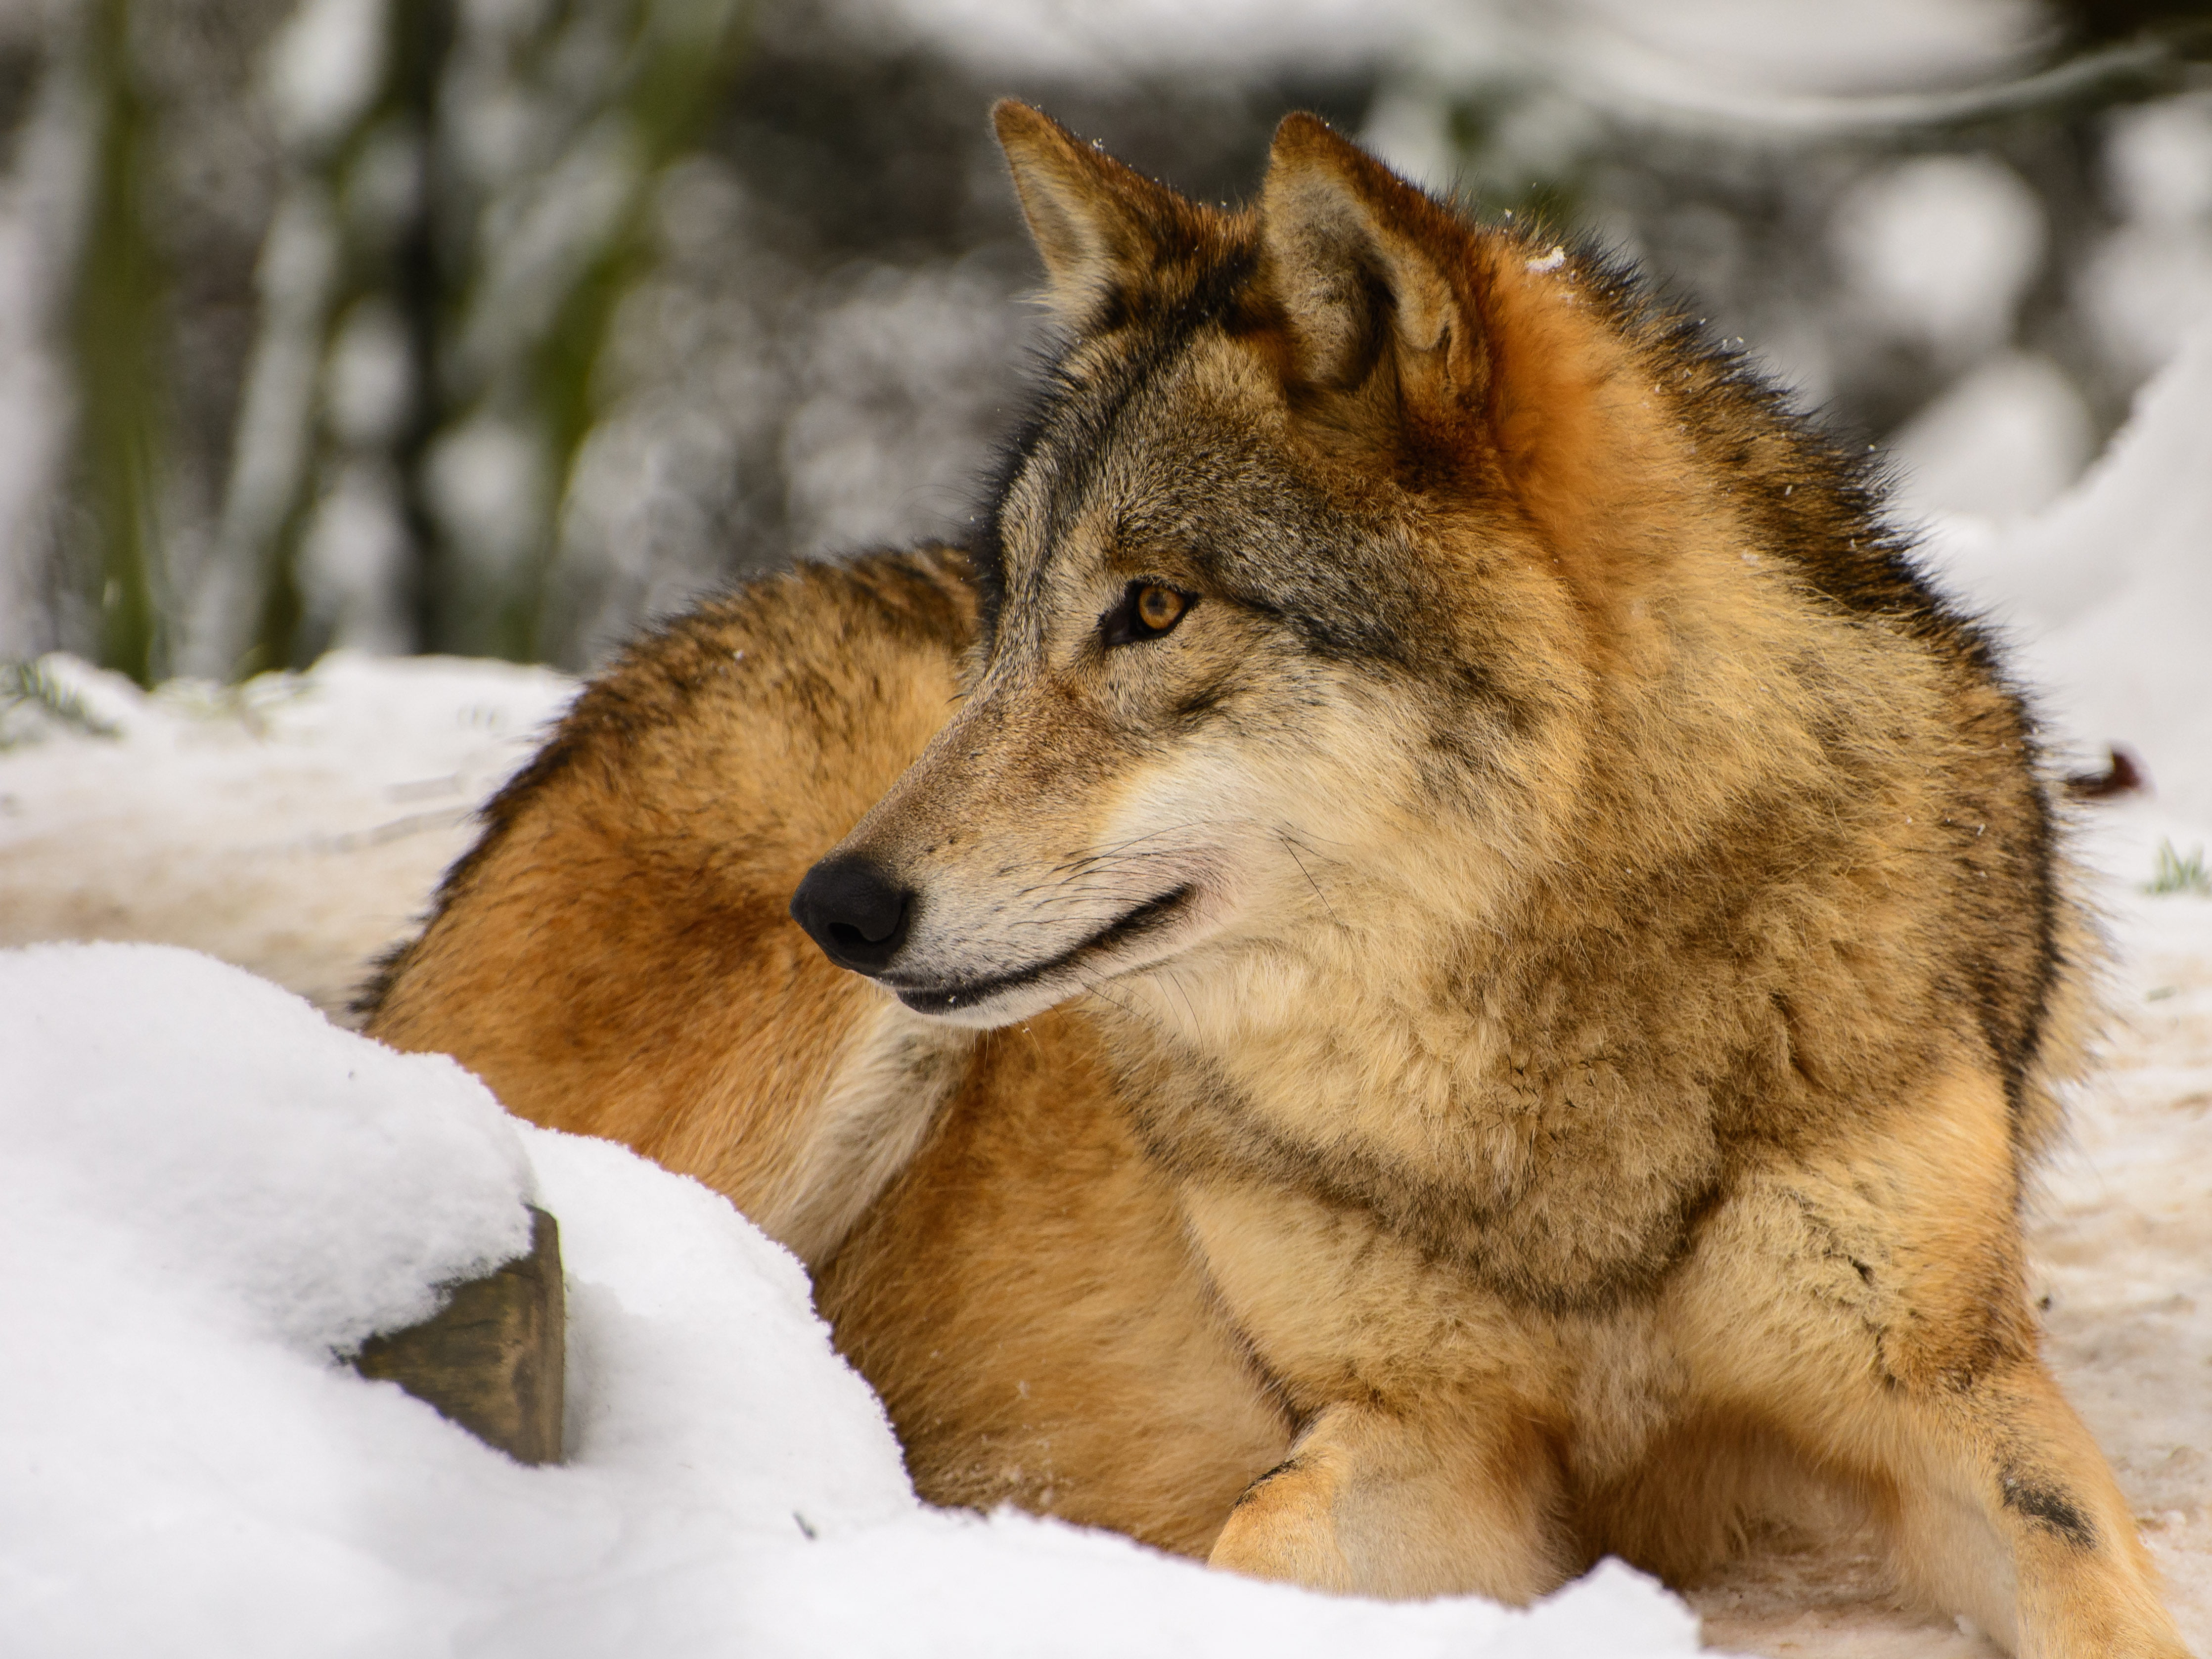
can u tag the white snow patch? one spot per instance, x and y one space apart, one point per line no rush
2006 440
293 824
352 563
371 375
325 67
2108 594
208 1188
1692 47
1409 127
2150 281
2145 286
1806 46
486 480
316 1183
2158 160
1942 247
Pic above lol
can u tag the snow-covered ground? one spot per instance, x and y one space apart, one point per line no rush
293 825
207 1190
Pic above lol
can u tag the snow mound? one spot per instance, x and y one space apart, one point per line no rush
293 824
317 1184
209 1190
2107 594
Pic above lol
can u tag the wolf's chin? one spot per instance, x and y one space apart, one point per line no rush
1004 998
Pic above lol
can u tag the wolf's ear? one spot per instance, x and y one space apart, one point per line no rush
1360 262
1096 223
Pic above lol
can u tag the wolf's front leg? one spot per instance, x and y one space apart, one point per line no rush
1379 1502
1999 1505
1869 1304
2000 1489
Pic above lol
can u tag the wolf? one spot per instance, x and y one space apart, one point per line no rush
1433 959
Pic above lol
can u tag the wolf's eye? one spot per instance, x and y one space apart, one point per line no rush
1145 610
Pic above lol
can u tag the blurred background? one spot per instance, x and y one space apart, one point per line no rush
498 326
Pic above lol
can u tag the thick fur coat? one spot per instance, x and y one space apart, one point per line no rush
1454 963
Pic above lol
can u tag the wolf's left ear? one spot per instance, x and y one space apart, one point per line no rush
1359 261
1097 223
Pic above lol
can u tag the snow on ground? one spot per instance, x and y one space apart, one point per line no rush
2107 595
209 1190
187 1469
1677 51
293 825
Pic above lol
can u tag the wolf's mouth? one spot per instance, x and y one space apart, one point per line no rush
1148 918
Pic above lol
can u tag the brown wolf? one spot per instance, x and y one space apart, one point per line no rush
1564 952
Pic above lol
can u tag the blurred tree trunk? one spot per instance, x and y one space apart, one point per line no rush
116 340
420 278
355 238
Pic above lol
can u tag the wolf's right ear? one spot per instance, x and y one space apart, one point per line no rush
1360 262
1096 223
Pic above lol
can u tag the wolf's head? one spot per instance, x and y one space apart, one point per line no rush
1339 520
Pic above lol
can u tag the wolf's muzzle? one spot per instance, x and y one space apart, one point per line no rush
852 909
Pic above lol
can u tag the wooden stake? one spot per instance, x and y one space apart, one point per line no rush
492 1358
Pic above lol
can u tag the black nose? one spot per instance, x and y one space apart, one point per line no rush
854 911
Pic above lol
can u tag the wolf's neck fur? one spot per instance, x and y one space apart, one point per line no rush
1533 1145
1541 1088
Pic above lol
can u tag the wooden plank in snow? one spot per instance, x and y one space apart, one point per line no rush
491 1360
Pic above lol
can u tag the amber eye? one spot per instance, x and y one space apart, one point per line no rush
1145 612
1159 608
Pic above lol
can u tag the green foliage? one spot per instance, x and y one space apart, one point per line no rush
680 56
2179 874
493 344
28 684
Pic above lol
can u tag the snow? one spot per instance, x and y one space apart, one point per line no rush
2160 160
1942 248
313 1183
1722 45
2107 595
487 484
2144 289
858 464
325 67
2004 440
371 376
354 559
210 1190
2150 280
293 824
1805 46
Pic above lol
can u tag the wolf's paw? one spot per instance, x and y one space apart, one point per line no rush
1281 1529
